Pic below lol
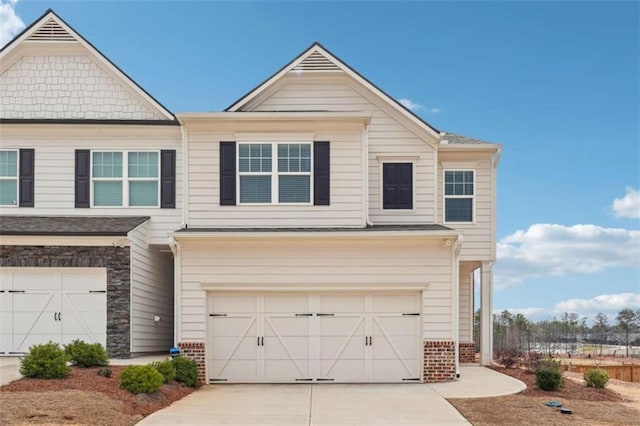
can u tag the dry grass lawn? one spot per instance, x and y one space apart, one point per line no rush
590 406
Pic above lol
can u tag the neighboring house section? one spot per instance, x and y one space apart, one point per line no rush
90 190
331 235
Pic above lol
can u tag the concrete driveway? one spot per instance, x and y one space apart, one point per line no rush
9 369
330 405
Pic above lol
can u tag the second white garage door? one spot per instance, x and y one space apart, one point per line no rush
314 338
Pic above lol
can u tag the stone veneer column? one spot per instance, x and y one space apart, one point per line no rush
196 352
467 352
117 261
439 361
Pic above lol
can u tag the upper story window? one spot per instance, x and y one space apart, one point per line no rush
397 186
274 173
459 194
8 178
125 179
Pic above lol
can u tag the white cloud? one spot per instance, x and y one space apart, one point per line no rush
408 103
604 303
557 250
629 205
10 23
435 110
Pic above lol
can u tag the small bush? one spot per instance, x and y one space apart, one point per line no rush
596 378
165 368
141 379
509 357
82 354
104 372
46 361
186 371
549 378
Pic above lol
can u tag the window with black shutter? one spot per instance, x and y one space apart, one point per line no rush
397 186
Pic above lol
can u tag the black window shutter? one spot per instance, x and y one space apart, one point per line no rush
27 162
83 178
397 186
227 173
168 179
321 174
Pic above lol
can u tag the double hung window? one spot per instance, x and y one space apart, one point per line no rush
125 179
8 178
274 173
458 195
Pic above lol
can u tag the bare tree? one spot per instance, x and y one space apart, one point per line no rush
628 322
601 327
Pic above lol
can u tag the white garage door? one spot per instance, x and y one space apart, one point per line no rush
38 305
314 338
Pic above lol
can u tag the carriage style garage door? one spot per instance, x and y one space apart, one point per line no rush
314 338
38 305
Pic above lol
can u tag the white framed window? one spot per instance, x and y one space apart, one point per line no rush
274 173
8 178
125 178
459 196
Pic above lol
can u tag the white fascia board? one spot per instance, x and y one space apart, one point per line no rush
63 240
453 235
280 116
470 147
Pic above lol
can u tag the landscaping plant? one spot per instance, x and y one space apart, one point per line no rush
104 372
549 378
596 378
82 354
186 371
45 361
141 379
166 368
509 357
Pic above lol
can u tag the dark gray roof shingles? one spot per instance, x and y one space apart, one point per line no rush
425 227
69 225
453 138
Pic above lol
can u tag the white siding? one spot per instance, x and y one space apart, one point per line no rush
55 168
346 188
66 86
465 298
387 137
151 295
478 237
356 263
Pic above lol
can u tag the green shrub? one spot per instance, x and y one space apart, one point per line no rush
141 379
46 361
82 354
165 368
549 378
104 372
186 371
596 378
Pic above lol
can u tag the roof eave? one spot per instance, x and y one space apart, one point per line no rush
197 235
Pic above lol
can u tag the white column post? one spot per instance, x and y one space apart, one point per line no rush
486 313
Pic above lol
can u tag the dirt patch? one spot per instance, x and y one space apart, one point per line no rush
590 406
82 398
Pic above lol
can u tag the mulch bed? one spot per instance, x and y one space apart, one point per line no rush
571 389
590 406
87 381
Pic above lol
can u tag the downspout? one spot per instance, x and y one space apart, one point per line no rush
177 285
365 165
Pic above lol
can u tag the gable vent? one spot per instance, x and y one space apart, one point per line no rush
316 62
51 31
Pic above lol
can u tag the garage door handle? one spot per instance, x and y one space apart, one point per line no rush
16 291
304 315
217 315
410 315
97 291
324 315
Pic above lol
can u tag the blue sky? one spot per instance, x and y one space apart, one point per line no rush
557 83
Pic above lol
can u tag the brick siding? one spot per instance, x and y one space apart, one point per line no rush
439 361
196 352
467 352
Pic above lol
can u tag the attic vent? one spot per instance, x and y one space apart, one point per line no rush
51 31
316 62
